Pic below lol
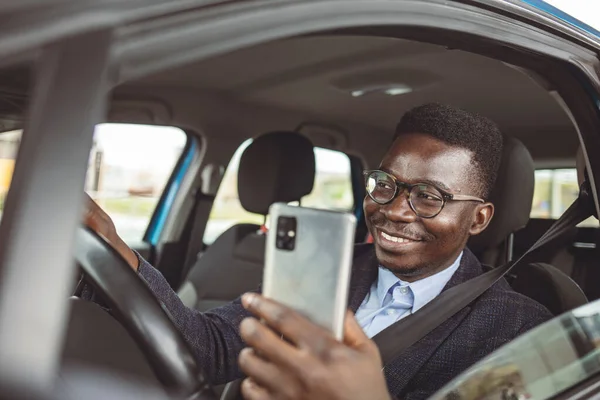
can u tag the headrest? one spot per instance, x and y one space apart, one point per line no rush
275 167
512 196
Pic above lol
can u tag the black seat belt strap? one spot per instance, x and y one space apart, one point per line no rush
399 336
196 233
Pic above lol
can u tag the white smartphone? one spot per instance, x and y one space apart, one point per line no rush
308 262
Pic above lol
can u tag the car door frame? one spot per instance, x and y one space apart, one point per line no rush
186 31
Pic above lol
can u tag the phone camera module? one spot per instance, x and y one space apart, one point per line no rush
286 233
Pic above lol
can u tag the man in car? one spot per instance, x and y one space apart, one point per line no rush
424 202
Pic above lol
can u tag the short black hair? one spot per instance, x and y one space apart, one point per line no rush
463 129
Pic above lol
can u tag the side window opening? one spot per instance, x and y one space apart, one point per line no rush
555 190
128 169
332 191
9 145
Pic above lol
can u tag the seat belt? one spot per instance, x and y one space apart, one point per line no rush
196 233
399 336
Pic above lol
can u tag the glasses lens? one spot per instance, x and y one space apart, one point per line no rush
381 187
426 200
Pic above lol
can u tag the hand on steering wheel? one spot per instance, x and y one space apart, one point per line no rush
108 265
98 221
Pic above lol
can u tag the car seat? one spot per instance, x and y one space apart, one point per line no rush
275 167
512 197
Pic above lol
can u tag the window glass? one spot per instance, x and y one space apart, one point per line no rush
555 190
9 145
538 365
332 191
128 168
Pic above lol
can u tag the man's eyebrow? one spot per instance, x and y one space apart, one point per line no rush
432 182
437 184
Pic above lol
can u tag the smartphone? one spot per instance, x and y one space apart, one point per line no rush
308 261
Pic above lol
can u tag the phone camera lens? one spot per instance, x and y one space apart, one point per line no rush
286 233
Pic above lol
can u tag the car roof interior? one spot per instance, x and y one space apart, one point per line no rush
313 83
317 79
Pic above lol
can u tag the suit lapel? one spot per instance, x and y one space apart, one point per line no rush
401 370
469 268
364 273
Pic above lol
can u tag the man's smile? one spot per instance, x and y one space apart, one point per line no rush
396 241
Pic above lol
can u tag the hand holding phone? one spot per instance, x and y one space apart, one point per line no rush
308 262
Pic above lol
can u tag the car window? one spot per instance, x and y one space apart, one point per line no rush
332 191
538 365
128 168
555 190
9 145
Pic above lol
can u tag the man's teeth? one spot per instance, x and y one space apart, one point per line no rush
394 238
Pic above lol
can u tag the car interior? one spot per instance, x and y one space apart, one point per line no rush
345 93
267 167
342 86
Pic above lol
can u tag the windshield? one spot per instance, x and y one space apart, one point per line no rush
538 365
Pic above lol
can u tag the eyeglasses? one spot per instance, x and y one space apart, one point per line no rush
426 200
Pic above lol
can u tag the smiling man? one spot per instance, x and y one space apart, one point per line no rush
424 202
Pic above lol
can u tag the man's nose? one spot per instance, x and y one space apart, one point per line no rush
399 209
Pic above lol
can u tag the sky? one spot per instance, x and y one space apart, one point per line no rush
139 146
587 11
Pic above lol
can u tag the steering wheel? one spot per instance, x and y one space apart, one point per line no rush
140 312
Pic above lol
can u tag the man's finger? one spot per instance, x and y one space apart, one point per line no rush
252 391
265 342
93 208
96 219
354 336
266 374
293 326
87 197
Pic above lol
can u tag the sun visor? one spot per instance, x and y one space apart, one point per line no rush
140 111
324 135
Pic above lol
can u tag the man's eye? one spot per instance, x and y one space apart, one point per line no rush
384 185
429 196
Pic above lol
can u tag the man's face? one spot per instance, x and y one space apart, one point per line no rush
433 244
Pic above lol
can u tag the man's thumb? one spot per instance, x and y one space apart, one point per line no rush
353 333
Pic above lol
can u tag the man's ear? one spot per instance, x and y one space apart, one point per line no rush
483 215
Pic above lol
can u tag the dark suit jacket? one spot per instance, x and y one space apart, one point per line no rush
497 317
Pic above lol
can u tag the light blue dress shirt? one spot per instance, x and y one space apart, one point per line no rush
391 299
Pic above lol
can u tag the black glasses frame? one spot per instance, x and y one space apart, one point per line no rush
401 186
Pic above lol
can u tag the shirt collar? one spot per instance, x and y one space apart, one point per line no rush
423 290
386 280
